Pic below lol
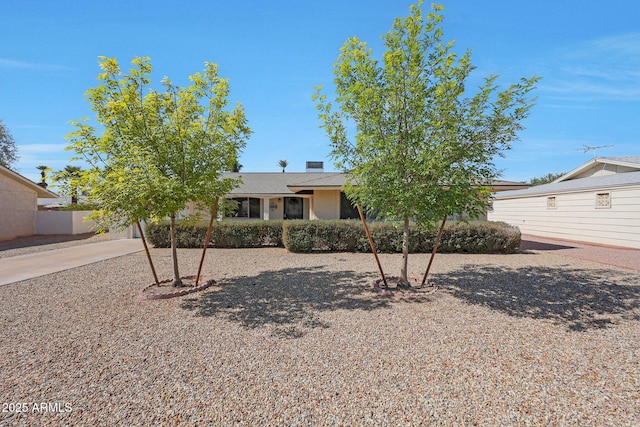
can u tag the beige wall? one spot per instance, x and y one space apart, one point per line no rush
63 222
576 217
326 204
276 208
17 209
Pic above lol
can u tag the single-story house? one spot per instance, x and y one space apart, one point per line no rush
598 202
302 195
291 195
19 205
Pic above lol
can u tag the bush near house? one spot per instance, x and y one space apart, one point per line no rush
229 234
342 236
349 236
78 207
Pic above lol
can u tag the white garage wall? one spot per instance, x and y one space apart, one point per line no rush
575 216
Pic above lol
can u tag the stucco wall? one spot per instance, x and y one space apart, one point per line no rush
326 204
17 210
63 222
276 208
575 216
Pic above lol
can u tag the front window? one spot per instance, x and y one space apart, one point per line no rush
347 209
245 207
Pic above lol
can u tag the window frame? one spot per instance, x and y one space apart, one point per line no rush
608 199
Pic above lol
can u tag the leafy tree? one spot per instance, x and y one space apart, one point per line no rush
68 181
8 150
548 178
415 144
158 150
283 164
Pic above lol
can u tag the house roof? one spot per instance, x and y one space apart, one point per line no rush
569 182
279 184
41 192
630 162
611 172
264 184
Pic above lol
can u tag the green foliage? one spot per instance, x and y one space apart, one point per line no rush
79 207
226 234
335 236
414 141
157 150
341 236
68 181
548 178
479 238
8 150
44 170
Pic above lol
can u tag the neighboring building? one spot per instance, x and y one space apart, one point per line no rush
19 204
598 202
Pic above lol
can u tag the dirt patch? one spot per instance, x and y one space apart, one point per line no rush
165 290
398 288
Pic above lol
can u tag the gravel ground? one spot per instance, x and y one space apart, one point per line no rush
41 243
296 340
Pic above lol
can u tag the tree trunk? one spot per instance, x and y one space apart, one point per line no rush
404 279
177 282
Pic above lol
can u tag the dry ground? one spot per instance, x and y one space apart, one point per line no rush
289 339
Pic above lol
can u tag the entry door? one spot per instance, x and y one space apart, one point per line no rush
293 208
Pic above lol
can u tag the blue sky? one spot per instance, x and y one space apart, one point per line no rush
275 52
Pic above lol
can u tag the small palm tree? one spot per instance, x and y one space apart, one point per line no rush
43 172
67 180
283 164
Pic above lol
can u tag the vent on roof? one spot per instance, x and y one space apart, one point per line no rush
315 166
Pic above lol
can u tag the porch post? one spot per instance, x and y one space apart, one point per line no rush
265 208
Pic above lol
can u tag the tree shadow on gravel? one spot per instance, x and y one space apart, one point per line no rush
579 299
288 299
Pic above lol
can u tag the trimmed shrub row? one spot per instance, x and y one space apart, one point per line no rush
226 234
342 236
349 236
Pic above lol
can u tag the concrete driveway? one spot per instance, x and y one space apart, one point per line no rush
616 256
22 267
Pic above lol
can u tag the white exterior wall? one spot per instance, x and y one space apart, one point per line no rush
575 216
63 222
17 210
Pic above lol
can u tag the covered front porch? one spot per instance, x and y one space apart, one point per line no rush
271 208
285 196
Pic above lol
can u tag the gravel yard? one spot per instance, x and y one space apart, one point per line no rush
291 339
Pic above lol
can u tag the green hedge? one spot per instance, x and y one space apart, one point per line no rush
349 236
342 236
226 234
